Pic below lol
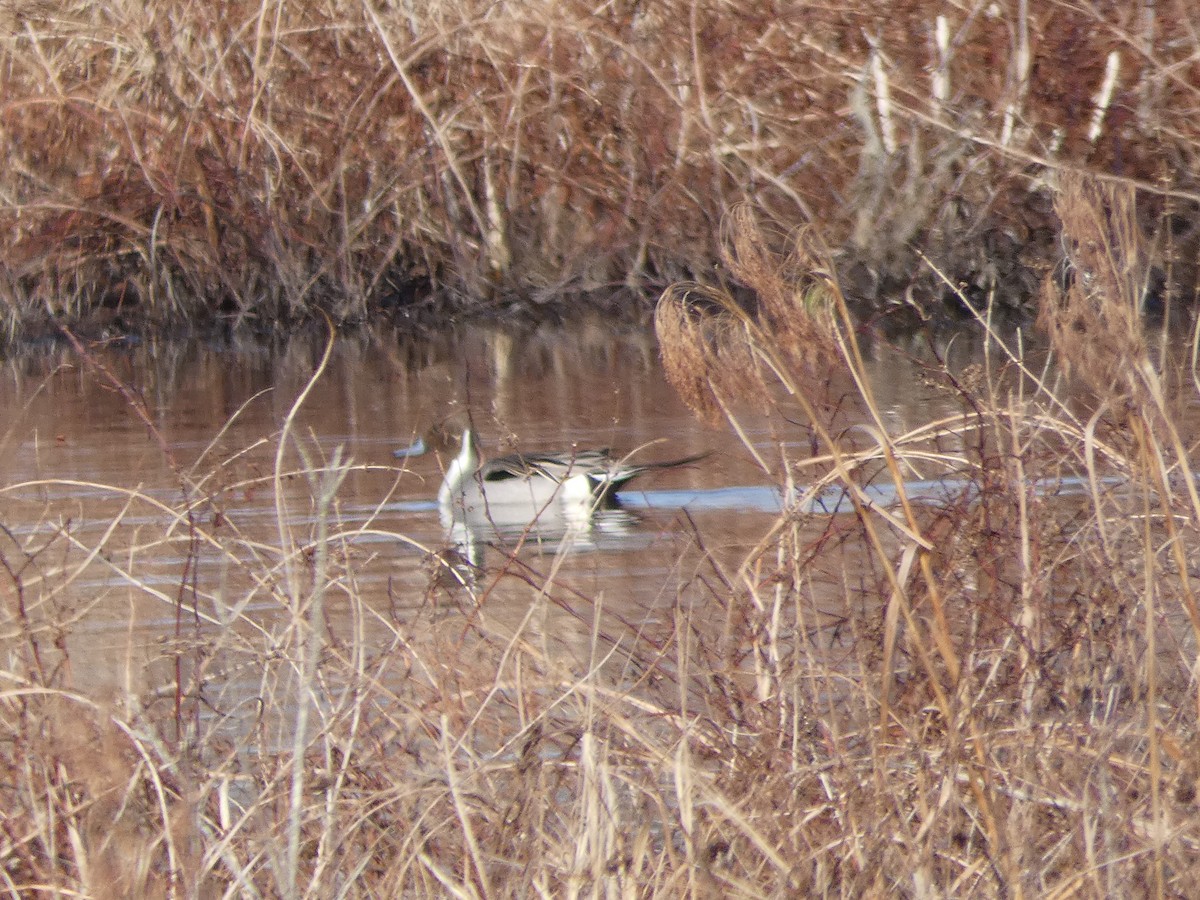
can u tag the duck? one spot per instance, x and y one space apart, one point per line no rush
576 480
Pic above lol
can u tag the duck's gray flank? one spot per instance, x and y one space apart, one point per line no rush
576 476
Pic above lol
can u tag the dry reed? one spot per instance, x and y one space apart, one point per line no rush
1094 324
1022 701
257 164
833 719
991 694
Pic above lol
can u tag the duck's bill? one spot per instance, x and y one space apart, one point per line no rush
416 448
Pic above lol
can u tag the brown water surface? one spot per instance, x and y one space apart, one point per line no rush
90 489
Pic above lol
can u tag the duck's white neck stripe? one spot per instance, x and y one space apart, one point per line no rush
460 469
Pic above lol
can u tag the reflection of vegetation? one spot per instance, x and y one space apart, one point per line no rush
1016 713
178 161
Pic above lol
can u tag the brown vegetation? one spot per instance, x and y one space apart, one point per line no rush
991 695
1007 704
1022 720
256 163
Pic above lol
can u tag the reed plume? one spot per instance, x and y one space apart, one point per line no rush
1094 322
716 348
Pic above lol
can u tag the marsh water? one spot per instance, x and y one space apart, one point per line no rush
239 435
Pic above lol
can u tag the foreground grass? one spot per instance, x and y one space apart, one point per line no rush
257 163
992 696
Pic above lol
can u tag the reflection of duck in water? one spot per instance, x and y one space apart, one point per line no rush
524 486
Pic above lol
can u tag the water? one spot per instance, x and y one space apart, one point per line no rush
93 492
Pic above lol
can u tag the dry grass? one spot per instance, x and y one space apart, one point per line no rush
256 163
1006 702
1020 718
994 694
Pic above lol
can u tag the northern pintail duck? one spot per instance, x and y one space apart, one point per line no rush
577 481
